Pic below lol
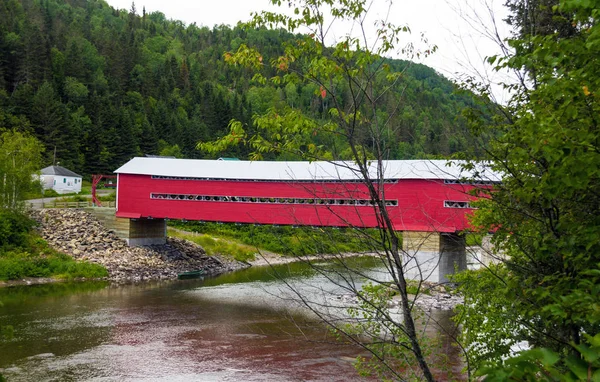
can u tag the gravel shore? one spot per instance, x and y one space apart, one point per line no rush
432 296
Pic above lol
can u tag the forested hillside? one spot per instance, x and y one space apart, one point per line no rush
98 86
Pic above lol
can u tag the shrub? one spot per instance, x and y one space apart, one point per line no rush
83 269
19 264
73 198
24 254
14 229
50 193
108 198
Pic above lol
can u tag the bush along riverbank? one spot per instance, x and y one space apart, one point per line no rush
81 236
24 254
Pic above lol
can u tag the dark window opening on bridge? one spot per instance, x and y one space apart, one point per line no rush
456 204
470 182
245 199
274 180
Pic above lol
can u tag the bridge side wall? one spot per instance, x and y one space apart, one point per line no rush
415 204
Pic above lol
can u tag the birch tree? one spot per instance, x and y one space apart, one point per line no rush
20 160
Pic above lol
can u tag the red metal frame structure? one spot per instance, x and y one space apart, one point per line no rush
97 178
181 189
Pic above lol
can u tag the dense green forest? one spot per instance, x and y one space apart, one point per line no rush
98 86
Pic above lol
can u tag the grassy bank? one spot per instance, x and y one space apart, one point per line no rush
24 254
288 240
218 246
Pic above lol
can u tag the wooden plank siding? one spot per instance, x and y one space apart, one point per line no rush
414 204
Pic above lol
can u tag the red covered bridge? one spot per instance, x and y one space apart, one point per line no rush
421 195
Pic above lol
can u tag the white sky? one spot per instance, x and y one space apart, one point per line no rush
462 45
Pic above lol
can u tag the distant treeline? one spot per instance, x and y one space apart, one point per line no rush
98 86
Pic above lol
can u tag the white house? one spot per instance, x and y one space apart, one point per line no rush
60 180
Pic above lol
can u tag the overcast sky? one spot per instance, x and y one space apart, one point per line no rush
446 23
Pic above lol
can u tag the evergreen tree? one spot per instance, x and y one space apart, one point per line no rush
187 91
33 56
50 121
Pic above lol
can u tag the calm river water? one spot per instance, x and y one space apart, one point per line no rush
236 327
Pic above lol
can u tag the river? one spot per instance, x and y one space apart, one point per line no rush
243 326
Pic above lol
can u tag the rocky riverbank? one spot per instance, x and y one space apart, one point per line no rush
80 235
433 296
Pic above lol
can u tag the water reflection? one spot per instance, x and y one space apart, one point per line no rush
233 327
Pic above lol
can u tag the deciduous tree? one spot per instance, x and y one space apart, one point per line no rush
545 293
350 77
20 160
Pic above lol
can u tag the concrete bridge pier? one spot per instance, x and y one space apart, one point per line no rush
432 256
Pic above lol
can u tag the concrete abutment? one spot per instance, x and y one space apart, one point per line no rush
147 232
135 232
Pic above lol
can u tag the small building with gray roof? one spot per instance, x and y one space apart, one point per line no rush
60 179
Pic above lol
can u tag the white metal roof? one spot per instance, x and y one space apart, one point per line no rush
300 171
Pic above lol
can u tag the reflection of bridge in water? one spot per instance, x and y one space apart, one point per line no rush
425 199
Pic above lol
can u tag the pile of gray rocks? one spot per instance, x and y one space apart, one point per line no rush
435 298
80 235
